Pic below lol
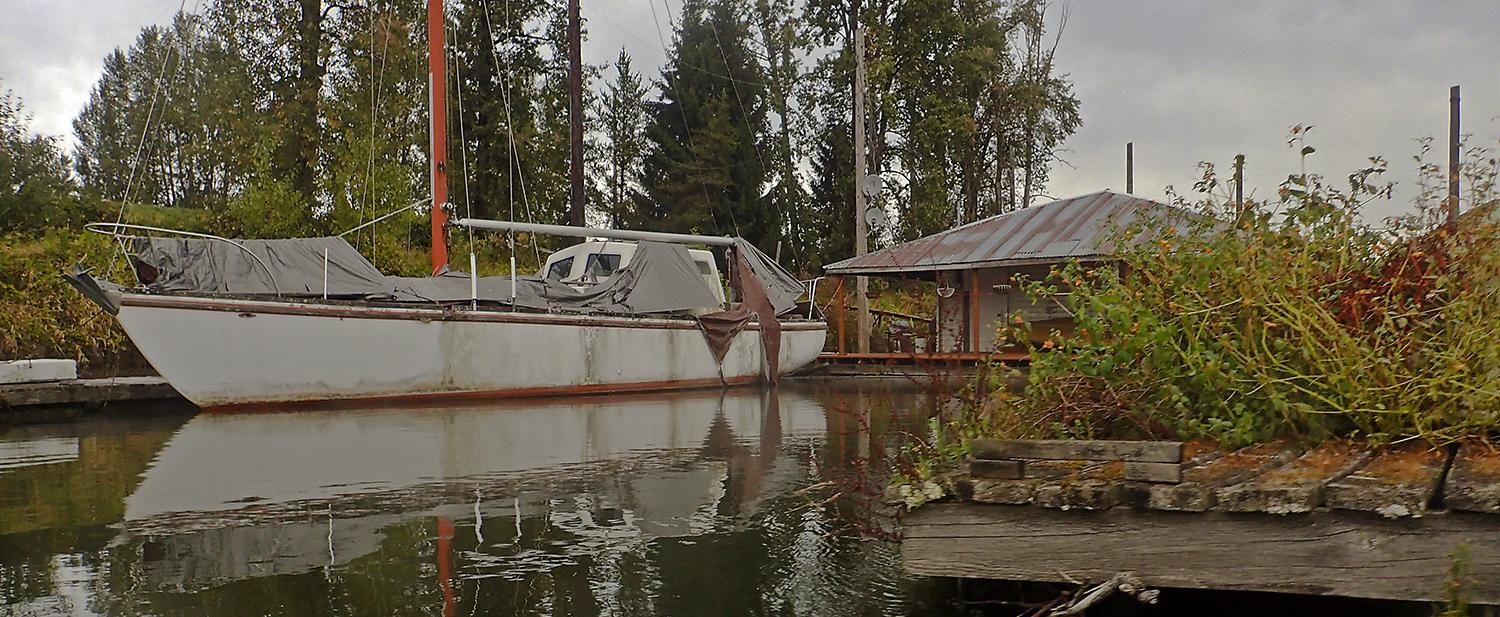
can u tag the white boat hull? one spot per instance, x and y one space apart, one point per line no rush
220 353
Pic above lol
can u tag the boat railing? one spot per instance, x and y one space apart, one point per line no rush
113 230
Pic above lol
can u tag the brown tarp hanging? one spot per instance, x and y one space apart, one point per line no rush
719 329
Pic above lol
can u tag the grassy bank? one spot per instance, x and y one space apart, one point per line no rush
44 316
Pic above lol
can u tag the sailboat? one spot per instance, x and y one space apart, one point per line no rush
234 323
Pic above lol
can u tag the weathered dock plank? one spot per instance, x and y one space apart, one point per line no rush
1066 449
1021 491
1165 473
1297 486
1339 553
1474 479
998 470
1096 487
1399 481
1208 471
84 391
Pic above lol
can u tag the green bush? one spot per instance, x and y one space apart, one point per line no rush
43 315
1287 319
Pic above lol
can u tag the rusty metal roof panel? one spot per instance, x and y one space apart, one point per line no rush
1082 226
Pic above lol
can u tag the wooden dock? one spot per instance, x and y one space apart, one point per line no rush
83 392
1337 520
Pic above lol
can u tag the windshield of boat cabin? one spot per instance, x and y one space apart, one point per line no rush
600 265
560 269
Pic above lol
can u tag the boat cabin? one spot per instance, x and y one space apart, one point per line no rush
589 262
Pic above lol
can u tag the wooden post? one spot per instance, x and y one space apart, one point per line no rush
1239 184
575 116
843 312
1130 167
861 233
1453 156
971 280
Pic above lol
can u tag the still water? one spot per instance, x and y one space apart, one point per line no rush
743 502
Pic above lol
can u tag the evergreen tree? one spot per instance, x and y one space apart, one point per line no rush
501 69
704 172
831 225
782 45
622 119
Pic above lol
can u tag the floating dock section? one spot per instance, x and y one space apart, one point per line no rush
1337 520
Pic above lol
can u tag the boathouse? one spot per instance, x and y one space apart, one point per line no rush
979 268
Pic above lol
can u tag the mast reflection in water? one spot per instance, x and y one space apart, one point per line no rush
703 503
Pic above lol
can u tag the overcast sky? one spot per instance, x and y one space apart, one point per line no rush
1186 80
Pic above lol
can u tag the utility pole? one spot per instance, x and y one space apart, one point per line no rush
1239 184
1453 155
1130 168
575 114
861 232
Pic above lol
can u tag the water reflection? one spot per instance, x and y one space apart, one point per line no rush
685 504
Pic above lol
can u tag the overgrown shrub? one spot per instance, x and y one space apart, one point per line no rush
1293 318
40 314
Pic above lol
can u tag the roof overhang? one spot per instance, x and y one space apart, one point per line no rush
835 269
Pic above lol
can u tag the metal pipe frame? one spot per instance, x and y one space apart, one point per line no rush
113 230
590 232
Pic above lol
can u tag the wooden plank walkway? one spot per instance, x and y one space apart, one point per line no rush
1338 519
1321 553
14 397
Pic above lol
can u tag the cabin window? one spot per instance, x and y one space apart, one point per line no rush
703 267
559 269
601 265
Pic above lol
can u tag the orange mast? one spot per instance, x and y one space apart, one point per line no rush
437 82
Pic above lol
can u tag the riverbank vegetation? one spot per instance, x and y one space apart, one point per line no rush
1293 318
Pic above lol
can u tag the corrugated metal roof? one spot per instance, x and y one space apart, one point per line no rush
1078 227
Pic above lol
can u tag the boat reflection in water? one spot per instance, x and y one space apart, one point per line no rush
687 503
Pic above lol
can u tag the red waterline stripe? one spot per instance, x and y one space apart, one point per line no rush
480 395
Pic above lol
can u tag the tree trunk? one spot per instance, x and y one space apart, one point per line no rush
300 147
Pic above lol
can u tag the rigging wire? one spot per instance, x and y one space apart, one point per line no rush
513 163
140 148
745 113
682 109
463 156
375 93
463 145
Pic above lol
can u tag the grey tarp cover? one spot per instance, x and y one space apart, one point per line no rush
660 279
782 289
218 267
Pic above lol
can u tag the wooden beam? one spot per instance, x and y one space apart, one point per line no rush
843 312
1201 481
1399 481
1331 553
999 470
1165 473
1065 449
1296 487
85 391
